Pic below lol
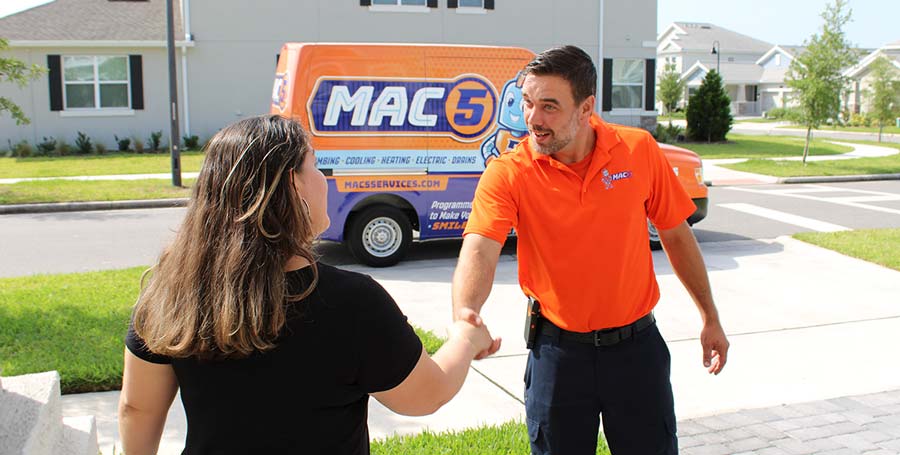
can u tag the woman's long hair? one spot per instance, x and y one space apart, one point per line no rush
218 290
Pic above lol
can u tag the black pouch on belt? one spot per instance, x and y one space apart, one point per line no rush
532 321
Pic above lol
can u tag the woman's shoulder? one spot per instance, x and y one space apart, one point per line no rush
335 279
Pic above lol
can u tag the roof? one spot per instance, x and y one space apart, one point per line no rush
732 73
700 36
773 75
888 52
92 20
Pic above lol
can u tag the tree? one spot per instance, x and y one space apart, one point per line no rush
709 110
884 92
15 71
671 88
816 75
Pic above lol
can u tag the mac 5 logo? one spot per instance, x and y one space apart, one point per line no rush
462 108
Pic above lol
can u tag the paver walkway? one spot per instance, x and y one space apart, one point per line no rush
865 424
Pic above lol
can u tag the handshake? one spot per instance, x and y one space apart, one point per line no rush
469 327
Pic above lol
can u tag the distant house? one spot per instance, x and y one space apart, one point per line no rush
109 69
689 46
860 75
773 92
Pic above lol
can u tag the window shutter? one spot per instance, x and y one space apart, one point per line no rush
607 84
137 81
650 85
432 3
365 2
452 3
488 4
54 65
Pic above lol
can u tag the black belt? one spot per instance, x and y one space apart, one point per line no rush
605 337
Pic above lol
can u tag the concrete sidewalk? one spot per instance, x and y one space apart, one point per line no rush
716 175
811 333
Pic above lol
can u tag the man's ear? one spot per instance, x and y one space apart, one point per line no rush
587 106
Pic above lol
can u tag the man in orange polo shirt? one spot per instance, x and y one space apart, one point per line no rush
579 193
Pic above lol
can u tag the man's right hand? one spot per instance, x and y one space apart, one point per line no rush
470 316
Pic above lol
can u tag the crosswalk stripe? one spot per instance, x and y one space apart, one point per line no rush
832 200
796 220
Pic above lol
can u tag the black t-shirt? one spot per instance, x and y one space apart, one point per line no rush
309 394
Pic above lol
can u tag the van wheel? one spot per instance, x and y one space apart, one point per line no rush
655 244
379 236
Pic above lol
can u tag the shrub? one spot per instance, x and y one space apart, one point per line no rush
776 113
859 120
62 149
20 150
83 144
154 140
123 143
46 146
100 148
709 111
191 142
138 146
669 134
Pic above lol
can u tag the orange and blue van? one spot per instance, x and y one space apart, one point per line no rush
403 133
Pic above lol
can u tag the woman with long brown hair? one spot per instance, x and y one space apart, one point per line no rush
273 352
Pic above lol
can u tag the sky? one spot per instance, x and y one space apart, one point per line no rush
13 6
874 22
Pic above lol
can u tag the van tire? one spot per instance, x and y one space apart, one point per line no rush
379 236
655 243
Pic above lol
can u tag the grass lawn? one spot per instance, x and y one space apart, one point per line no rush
110 164
851 129
856 166
744 146
98 190
75 324
881 246
508 438
674 116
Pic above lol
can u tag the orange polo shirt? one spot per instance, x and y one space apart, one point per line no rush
583 248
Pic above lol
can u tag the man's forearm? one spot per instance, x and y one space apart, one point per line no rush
687 262
474 275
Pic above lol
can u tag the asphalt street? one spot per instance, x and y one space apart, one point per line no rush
96 240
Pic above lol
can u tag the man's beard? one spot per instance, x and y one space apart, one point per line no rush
556 142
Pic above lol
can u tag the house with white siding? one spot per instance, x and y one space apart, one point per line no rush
109 76
860 75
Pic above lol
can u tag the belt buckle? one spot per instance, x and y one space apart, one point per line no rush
607 337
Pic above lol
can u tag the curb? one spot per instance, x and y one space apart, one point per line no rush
96 205
814 179
840 178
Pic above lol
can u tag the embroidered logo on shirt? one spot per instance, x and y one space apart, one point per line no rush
608 178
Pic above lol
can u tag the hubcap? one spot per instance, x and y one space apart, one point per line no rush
382 237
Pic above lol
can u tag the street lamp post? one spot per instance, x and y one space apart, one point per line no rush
717 53
173 96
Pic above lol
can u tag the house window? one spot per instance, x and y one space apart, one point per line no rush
96 82
627 84
777 59
471 3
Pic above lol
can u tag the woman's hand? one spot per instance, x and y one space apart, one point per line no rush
478 337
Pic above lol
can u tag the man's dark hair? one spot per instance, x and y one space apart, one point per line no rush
572 64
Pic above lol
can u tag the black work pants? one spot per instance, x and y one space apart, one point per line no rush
568 385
